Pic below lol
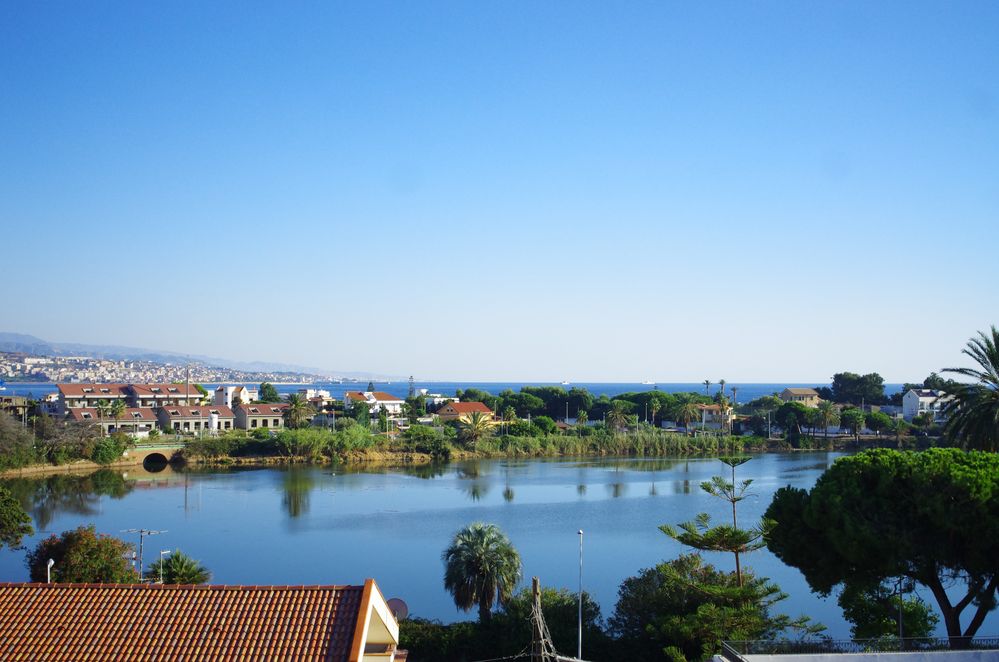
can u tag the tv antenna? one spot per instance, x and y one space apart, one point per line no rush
142 535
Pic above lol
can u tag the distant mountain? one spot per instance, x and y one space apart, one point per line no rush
20 342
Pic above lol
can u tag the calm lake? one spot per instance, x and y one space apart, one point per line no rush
313 525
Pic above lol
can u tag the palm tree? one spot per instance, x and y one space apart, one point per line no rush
735 395
721 384
103 408
972 412
617 417
686 411
509 414
828 414
179 568
299 411
475 426
117 410
707 385
581 418
481 567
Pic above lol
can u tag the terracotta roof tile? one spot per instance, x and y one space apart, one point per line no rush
90 414
380 396
93 390
270 409
469 407
202 411
105 622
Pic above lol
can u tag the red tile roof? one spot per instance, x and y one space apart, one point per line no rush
93 390
270 409
144 414
110 622
197 412
380 396
469 407
165 390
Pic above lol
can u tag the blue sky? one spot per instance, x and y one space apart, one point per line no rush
588 191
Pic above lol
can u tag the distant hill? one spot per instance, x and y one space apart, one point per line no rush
20 342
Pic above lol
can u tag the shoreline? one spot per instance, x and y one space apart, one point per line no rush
390 458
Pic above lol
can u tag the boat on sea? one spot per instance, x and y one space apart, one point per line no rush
565 383
648 383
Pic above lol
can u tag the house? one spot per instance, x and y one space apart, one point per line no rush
200 418
228 395
806 396
461 411
918 401
712 416
376 400
253 416
134 420
109 622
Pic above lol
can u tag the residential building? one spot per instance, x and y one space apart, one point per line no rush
713 416
15 405
376 400
161 395
461 411
229 395
254 416
110 622
73 396
154 396
806 396
200 418
133 420
918 401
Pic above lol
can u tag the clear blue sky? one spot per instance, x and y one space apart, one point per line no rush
753 191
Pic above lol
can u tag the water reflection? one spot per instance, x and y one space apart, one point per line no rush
44 498
297 484
617 490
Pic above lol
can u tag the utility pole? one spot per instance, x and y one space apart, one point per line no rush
537 637
579 647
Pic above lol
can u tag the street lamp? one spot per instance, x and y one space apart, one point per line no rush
163 553
48 571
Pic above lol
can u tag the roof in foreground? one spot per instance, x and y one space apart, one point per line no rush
45 622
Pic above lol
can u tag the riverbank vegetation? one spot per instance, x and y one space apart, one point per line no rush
426 443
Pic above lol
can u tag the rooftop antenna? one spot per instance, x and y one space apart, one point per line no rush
142 534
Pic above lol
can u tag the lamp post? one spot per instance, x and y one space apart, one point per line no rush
48 571
163 552
579 646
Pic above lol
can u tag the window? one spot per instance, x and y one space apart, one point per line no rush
253 423
264 422
87 415
277 422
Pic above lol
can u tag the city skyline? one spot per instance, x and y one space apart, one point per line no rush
507 192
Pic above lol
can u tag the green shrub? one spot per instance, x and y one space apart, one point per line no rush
109 449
